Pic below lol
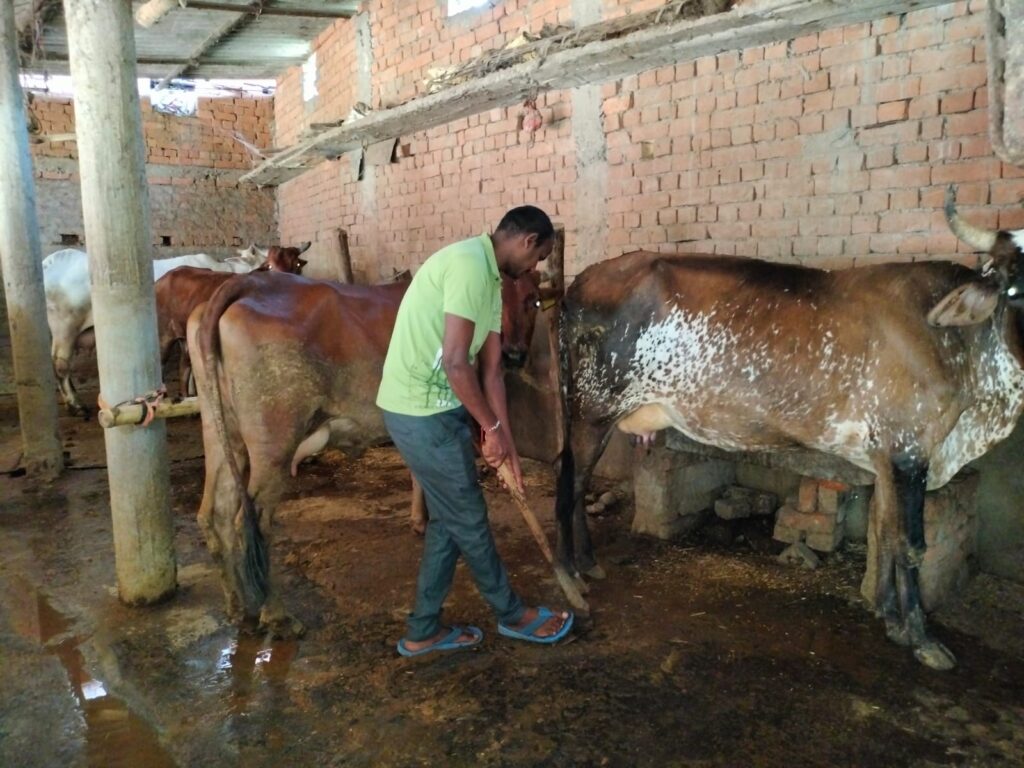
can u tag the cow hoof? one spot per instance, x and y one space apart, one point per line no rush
595 572
935 655
897 632
282 627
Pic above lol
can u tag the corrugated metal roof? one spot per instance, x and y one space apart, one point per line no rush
256 46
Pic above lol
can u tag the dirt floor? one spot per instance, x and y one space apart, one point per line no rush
702 652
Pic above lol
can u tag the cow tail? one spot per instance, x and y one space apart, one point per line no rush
253 571
565 500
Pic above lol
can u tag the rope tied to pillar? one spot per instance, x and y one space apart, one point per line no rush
148 401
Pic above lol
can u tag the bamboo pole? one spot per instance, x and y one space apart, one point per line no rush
133 413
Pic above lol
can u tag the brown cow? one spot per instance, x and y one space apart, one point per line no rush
183 289
286 367
906 370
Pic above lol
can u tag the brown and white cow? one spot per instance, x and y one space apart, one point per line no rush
906 370
285 367
183 289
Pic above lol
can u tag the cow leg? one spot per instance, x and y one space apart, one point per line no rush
266 480
62 356
911 479
879 584
576 468
186 386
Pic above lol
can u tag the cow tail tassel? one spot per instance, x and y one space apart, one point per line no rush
253 568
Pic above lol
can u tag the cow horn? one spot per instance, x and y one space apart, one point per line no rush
305 246
979 239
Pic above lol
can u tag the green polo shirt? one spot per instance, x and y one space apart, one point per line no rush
461 279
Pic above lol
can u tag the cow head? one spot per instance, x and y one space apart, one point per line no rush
276 258
1002 273
285 259
520 300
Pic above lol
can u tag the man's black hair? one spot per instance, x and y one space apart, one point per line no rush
527 220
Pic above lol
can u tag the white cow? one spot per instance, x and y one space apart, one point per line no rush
69 303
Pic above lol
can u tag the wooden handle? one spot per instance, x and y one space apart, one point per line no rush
565 581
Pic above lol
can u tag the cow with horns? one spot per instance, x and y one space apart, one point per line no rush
909 371
286 367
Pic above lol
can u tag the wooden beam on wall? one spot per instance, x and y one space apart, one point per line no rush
755 23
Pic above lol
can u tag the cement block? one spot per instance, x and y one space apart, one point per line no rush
811 522
825 542
780 482
787 535
673 491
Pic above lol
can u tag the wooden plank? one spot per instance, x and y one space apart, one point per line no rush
660 44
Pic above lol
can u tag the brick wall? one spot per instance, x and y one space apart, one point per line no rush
192 167
831 149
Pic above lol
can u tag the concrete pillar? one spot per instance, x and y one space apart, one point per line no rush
20 260
115 204
591 160
1006 79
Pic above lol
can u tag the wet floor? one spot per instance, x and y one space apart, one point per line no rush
699 654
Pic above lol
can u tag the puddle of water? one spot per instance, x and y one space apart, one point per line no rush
116 737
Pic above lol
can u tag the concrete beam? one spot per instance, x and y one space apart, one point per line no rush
760 22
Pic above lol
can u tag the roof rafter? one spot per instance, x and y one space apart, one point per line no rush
656 45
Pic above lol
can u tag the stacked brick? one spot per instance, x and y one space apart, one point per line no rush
816 516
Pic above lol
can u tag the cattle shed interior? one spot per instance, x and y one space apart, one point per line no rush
803 132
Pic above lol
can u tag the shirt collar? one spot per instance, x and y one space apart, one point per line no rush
492 261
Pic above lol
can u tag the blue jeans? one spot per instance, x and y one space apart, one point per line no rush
438 449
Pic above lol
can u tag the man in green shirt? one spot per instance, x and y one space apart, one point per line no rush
430 388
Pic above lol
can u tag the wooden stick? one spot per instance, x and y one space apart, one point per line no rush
133 413
565 581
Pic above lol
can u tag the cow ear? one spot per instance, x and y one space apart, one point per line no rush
969 304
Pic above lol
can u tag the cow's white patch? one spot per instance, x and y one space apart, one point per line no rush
998 384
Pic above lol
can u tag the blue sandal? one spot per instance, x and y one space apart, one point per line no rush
527 633
449 642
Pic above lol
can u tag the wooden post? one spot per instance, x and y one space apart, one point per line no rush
115 203
344 259
42 454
